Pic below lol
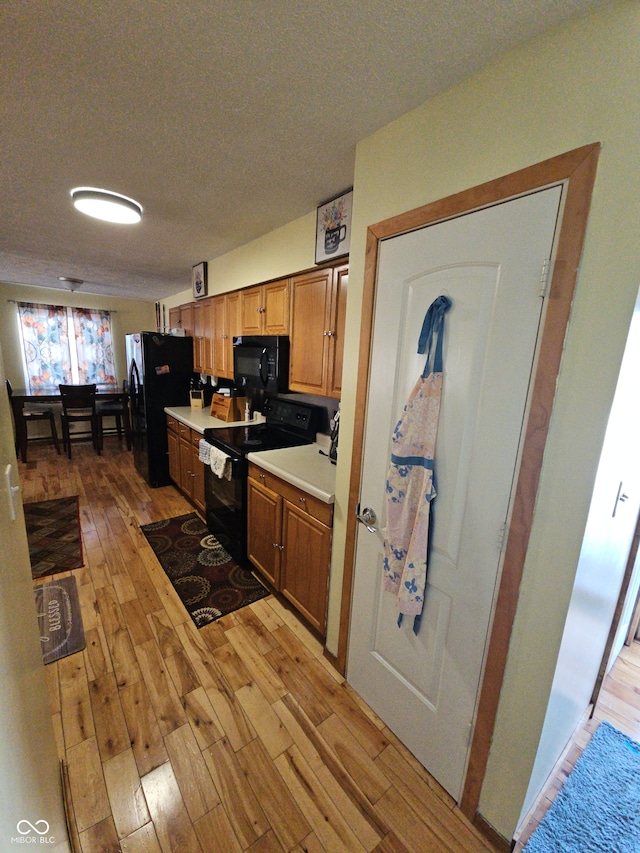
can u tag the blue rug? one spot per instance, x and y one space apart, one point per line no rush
598 808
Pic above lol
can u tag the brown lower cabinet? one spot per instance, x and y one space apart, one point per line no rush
185 468
289 540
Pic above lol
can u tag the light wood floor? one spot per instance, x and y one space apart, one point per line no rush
619 704
239 736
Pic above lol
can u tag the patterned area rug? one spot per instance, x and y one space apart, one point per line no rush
596 810
209 582
53 533
59 619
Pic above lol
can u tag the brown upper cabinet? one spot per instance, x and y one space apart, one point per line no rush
310 308
265 308
200 342
187 318
225 323
181 317
192 317
318 307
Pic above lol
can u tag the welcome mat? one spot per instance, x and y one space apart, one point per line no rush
208 580
597 810
53 533
59 619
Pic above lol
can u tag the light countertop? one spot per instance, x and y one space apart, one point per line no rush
304 467
200 419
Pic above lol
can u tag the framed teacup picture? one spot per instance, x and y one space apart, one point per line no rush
333 227
199 280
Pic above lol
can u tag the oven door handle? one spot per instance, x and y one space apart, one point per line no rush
264 373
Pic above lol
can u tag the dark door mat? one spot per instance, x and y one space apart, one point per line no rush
59 618
208 580
53 533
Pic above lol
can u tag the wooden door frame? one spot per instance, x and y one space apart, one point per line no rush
617 616
575 170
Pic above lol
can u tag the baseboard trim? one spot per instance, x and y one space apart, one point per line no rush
74 838
492 835
333 660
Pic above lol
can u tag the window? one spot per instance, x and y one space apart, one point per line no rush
68 345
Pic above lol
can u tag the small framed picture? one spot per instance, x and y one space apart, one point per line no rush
199 280
333 227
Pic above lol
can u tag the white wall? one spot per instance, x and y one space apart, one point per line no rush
570 87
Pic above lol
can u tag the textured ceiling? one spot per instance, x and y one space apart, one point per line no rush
225 119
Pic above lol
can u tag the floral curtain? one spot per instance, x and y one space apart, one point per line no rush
68 345
94 347
46 345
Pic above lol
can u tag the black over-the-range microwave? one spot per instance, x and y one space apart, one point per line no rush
261 363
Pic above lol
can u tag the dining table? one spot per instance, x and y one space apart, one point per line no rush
23 396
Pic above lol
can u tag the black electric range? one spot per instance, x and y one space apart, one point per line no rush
288 424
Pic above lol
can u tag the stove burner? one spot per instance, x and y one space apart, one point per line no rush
288 424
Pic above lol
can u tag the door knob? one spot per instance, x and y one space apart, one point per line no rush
367 517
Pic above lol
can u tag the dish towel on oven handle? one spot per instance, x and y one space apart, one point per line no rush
220 463
410 486
204 451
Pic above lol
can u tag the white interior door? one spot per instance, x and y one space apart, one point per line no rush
489 263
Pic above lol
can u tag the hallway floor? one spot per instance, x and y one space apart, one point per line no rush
240 736
619 704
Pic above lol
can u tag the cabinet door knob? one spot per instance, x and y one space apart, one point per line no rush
275 545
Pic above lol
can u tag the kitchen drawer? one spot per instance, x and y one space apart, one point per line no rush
316 508
184 431
172 424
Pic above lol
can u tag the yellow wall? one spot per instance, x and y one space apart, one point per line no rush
573 86
287 250
129 315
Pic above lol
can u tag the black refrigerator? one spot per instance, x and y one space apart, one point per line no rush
160 369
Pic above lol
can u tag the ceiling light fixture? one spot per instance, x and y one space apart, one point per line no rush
74 283
106 205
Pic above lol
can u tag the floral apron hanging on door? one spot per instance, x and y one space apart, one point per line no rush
410 486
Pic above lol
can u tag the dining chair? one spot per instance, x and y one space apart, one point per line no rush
119 410
37 414
79 407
